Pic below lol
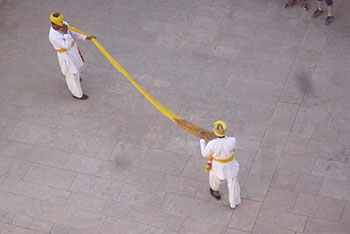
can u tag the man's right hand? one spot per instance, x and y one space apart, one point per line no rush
201 134
64 28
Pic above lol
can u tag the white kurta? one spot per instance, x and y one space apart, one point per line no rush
223 148
70 60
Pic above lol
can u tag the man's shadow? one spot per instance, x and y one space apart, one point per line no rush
304 83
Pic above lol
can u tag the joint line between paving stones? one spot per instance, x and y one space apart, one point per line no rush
27 182
68 189
104 221
162 180
302 101
182 224
274 109
40 146
343 211
161 204
224 85
299 106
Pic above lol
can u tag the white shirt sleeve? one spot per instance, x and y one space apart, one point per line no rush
77 35
205 150
234 144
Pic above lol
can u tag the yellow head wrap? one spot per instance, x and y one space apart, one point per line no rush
220 128
57 20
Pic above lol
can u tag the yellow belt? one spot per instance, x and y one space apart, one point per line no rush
227 160
64 50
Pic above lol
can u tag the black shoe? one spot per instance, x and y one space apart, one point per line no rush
317 13
329 20
218 197
84 97
81 79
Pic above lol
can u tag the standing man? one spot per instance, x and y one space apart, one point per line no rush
224 165
319 11
69 56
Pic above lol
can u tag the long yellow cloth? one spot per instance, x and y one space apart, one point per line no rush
189 127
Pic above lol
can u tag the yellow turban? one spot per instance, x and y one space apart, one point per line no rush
220 128
58 20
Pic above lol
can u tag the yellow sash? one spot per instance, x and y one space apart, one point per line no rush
227 160
64 50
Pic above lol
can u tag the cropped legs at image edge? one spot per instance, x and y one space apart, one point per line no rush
304 4
329 19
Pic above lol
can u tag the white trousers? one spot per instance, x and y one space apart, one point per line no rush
73 83
233 188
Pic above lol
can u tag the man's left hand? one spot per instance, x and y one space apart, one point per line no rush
90 37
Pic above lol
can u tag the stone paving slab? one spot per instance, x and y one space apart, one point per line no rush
114 164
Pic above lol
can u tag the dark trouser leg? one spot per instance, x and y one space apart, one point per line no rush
329 2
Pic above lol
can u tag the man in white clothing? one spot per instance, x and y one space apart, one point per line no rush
69 56
224 166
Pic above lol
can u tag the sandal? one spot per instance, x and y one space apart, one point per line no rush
317 13
305 5
289 4
217 196
329 20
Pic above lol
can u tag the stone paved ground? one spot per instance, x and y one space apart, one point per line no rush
113 164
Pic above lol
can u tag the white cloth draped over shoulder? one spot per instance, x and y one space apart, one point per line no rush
221 148
70 60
